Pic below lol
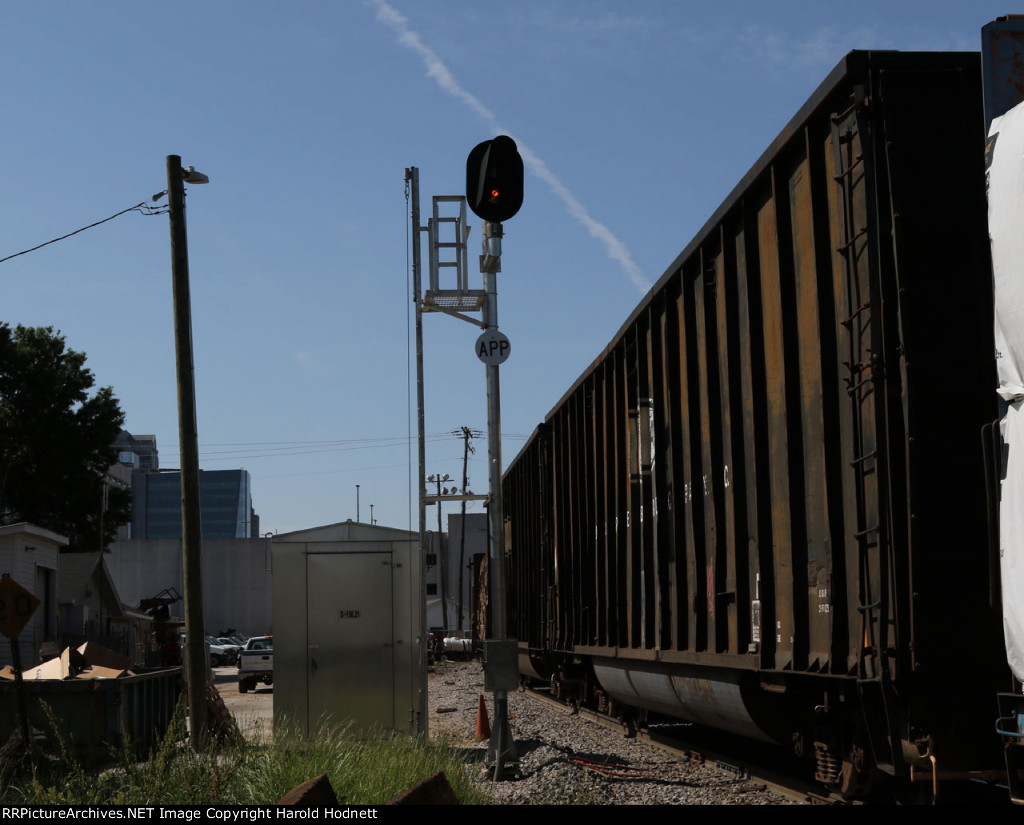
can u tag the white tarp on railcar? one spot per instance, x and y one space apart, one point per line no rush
1006 228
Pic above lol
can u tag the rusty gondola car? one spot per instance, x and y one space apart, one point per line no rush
762 507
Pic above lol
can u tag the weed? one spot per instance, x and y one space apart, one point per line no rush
362 770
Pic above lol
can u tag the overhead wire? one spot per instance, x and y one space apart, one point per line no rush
285 449
327 447
143 208
291 449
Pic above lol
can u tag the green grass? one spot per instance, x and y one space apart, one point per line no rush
361 771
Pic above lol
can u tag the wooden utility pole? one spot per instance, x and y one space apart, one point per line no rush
467 448
188 442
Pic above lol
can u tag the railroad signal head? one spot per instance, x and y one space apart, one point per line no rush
494 179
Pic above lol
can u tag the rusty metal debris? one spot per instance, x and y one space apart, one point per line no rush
616 770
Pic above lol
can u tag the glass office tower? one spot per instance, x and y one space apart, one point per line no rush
225 498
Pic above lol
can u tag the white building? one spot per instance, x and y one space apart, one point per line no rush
28 554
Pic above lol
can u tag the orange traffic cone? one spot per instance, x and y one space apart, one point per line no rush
483 726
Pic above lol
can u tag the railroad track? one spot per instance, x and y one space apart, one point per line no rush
674 739
760 764
563 760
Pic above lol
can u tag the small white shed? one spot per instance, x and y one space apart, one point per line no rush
349 643
29 554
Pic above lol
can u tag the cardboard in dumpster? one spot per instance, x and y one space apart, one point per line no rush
89 661
97 655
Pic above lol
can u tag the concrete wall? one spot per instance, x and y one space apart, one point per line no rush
476 542
237 579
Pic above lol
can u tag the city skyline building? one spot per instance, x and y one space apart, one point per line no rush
225 496
137 451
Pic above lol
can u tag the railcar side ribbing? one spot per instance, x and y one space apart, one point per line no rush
762 507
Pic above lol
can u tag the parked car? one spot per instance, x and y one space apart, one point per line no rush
221 654
232 646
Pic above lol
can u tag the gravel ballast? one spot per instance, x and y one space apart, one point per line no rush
568 759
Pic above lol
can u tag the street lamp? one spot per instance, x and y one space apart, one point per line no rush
188 441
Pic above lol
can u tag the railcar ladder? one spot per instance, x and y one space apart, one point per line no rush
854 179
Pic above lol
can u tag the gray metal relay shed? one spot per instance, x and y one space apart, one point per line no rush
348 635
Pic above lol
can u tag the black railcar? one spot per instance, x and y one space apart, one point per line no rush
762 507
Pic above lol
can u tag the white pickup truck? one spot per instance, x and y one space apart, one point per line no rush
256 663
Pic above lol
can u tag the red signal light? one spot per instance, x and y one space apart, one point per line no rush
494 179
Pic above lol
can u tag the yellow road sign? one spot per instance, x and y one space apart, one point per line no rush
16 607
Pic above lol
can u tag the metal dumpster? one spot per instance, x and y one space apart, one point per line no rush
97 717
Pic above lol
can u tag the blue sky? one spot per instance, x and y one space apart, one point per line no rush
636 120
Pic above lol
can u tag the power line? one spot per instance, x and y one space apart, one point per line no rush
143 208
285 449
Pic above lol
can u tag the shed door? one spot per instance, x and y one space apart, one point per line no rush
350 665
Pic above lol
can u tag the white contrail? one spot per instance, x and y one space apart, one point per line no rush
437 71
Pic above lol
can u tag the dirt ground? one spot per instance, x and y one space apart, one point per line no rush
253 711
